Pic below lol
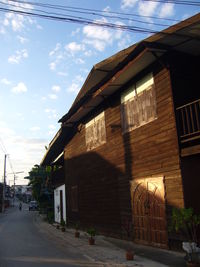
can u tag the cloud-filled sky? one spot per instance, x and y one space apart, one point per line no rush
44 63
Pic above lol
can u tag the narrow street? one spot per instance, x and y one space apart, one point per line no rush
22 244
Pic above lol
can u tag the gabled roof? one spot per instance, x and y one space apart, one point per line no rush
182 37
110 74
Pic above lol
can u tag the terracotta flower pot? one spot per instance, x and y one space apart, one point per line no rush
57 226
77 234
63 229
129 255
91 241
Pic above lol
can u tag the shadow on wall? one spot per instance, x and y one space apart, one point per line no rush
103 200
99 193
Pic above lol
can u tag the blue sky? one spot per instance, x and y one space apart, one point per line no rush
45 62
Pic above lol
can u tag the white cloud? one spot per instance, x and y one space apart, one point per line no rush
52 65
5 81
22 39
56 88
53 96
20 88
57 48
147 8
61 73
52 114
43 98
17 21
128 3
79 78
2 30
97 44
35 128
52 127
124 42
73 47
95 32
99 37
106 9
74 87
20 148
79 61
76 84
75 32
19 55
167 10
88 53
20 116
56 56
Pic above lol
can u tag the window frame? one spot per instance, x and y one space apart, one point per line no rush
145 87
96 140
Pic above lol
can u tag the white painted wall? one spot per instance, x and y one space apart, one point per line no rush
57 203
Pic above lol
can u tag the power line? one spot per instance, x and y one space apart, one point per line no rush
3 147
81 21
89 11
176 2
10 163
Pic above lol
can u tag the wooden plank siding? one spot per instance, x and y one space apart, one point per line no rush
103 174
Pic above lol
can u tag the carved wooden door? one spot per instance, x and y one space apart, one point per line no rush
148 211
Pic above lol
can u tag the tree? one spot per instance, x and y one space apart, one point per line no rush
40 180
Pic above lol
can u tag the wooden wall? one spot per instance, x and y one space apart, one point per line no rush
103 175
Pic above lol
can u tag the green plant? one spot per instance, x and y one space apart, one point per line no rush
91 232
77 226
184 221
50 217
62 223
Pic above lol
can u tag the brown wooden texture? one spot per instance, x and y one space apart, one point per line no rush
103 174
148 211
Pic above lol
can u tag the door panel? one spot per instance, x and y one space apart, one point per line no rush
148 211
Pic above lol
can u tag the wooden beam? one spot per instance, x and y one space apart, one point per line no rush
190 151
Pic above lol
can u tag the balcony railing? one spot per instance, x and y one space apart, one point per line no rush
189 121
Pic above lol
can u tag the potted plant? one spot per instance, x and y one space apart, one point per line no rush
77 233
62 223
91 232
186 222
127 226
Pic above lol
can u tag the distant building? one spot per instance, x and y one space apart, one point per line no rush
23 192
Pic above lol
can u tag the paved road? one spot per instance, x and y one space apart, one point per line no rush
22 244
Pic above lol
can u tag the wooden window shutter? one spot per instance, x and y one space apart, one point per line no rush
95 132
140 109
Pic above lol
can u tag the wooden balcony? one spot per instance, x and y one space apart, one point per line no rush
188 119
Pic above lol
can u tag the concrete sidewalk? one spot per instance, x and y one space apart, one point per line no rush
110 251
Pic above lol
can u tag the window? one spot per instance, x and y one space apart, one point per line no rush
138 104
95 132
74 198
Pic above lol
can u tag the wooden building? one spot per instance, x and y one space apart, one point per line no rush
131 139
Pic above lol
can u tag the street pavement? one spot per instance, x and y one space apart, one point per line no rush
27 240
111 251
22 244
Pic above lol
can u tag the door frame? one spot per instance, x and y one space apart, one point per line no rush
159 180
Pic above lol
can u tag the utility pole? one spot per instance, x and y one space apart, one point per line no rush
4 182
14 183
14 190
